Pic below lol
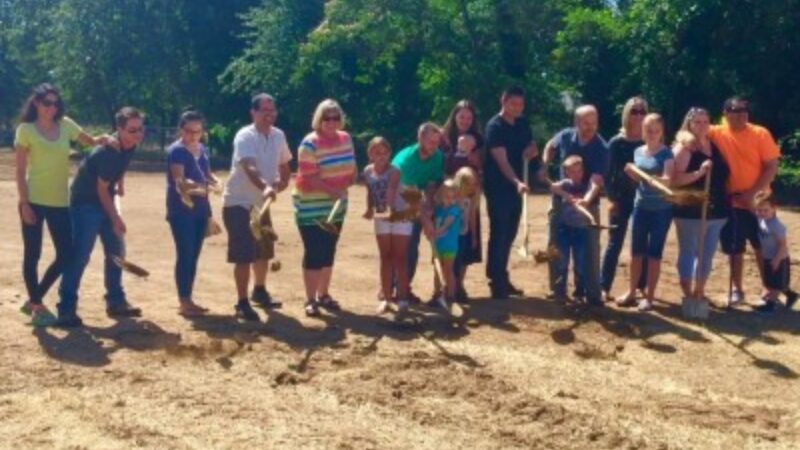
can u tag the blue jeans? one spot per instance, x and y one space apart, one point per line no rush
649 232
573 243
89 222
591 259
188 233
689 243
616 240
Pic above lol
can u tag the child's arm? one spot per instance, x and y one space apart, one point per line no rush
783 253
442 229
370 212
556 189
394 185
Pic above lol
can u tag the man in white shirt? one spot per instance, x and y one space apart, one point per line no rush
259 170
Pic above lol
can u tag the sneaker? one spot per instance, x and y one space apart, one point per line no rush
736 298
327 302
514 291
402 310
123 309
596 303
791 299
383 307
68 321
644 305
261 297
26 308
246 312
627 301
312 308
767 309
414 299
42 317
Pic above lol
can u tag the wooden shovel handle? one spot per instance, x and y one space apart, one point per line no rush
586 213
334 211
651 181
262 213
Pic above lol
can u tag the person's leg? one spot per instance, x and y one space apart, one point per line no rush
659 228
515 214
200 226
328 244
181 236
265 253
399 248
564 244
60 227
688 232
412 254
581 242
498 224
386 264
85 228
32 243
733 241
710 244
591 270
449 278
241 275
553 217
113 246
639 239
616 238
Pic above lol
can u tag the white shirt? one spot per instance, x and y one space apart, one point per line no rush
270 152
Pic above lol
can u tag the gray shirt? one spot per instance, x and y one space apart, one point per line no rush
769 232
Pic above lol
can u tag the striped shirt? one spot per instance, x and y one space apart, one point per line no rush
332 160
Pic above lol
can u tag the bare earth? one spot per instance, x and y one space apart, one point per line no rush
520 373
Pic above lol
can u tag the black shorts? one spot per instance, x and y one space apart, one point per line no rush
243 248
319 246
742 227
776 279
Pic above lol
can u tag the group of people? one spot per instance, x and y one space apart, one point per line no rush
432 188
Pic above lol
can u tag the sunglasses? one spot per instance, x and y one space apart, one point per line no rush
638 112
134 130
739 110
332 119
47 103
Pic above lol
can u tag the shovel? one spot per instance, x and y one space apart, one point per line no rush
256 219
328 225
522 251
130 267
592 222
697 308
684 198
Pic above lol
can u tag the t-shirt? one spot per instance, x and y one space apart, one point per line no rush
333 160
378 186
717 198
48 162
195 169
448 242
514 138
746 152
648 197
269 152
769 231
570 216
416 172
594 153
618 185
105 163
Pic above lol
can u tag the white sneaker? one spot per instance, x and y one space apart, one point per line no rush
383 307
644 305
736 298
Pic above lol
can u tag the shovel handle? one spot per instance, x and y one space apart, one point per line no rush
334 211
649 179
262 213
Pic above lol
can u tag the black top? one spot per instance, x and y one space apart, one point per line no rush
619 186
717 207
106 163
514 138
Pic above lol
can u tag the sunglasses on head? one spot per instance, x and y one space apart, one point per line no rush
47 103
638 112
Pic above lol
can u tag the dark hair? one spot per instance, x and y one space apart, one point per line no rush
29 114
450 129
255 102
513 91
735 99
125 114
191 116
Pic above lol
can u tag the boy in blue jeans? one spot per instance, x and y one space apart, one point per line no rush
573 228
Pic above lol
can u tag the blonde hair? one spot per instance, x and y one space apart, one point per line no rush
572 161
626 112
428 128
655 118
685 139
378 141
466 175
324 107
449 185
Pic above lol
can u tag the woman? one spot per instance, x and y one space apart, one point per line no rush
652 214
696 157
326 169
620 190
463 121
188 208
42 147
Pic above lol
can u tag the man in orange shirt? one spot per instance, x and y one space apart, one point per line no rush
752 155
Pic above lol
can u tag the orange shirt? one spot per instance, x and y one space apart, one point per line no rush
746 153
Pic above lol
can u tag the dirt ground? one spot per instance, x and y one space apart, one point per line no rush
518 374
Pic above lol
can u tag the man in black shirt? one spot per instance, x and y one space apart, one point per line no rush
509 142
99 179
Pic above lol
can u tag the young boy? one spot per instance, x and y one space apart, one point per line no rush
775 255
573 231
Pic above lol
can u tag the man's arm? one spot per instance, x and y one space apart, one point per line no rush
254 176
501 158
107 202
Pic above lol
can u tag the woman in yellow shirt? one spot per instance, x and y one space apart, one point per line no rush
42 147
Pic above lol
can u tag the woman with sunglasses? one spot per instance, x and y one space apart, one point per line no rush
42 148
326 169
621 190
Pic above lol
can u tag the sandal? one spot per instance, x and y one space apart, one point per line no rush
327 302
627 301
312 308
191 309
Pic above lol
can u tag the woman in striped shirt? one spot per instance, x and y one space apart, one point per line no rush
326 169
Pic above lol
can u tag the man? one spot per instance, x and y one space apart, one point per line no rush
93 214
421 166
509 141
581 140
259 170
752 156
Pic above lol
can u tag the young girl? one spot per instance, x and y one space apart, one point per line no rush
775 255
652 214
393 236
448 217
469 251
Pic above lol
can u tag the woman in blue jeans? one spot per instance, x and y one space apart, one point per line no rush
652 214
188 208
696 158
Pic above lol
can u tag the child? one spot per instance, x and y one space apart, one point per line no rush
469 250
448 218
393 236
463 156
573 231
774 253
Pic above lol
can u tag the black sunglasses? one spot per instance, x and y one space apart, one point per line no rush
739 110
332 119
47 103
638 112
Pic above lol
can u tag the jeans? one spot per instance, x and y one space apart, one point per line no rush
616 239
649 232
572 244
504 215
88 222
60 228
188 233
689 243
592 254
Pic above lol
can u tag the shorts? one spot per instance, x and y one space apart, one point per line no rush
776 280
742 227
446 255
383 227
649 230
242 245
319 246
